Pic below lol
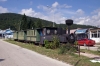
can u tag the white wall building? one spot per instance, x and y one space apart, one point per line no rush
94 34
8 33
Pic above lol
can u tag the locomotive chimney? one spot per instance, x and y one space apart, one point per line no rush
69 22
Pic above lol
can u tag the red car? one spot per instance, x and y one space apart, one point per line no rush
86 41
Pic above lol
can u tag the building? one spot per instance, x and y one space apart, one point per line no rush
8 33
71 31
94 34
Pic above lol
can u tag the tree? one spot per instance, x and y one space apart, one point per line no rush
31 24
15 22
24 22
16 26
39 23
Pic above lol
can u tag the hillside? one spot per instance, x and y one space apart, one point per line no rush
12 20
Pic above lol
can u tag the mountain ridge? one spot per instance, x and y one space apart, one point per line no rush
12 20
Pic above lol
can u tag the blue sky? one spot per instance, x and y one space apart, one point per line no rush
81 11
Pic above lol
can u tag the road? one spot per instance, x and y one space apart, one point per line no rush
12 55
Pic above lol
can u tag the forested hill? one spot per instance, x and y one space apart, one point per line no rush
18 21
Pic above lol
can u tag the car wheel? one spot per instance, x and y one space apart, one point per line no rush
85 44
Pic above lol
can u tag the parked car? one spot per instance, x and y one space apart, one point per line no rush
86 41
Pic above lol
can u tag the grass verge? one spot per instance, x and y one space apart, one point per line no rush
72 59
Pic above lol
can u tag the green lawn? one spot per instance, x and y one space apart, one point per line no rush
72 59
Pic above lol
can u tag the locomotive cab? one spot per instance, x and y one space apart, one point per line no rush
46 33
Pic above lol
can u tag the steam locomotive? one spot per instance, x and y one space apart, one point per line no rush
39 35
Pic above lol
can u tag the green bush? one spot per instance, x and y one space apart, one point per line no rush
52 45
56 42
47 44
67 48
76 43
63 49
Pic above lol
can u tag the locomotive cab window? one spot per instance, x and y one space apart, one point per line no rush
55 31
48 31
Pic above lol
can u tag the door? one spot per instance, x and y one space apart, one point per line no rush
25 35
38 35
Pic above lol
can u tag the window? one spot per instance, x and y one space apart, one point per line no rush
94 34
98 34
44 31
55 32
48 31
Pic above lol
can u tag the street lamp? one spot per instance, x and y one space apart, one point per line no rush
53 15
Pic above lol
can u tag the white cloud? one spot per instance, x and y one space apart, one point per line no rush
82 20
28 12
65 6
3 0
54 7
3 10
32 13
50 17
60 15
96 11
80 12
93 20
55 4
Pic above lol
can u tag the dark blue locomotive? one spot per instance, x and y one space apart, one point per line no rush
39 35
46 33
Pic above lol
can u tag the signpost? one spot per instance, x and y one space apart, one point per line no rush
79 50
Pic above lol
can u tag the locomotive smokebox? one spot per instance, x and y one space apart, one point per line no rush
69 22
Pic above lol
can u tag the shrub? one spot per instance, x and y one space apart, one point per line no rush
76 43
67 48
47 44
52 45
56 42
63 49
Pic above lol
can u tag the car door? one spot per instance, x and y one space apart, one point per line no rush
85 41
81 42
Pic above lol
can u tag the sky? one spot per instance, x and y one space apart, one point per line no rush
84 12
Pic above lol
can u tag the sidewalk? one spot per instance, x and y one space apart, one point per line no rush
89 55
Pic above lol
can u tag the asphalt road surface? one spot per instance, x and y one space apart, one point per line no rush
12 55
